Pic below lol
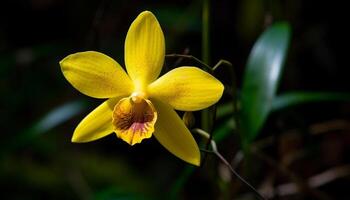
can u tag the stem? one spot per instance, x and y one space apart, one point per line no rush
174 55
179 60
207 67
257 194
205 54
213 109
223 160
222 62
205 31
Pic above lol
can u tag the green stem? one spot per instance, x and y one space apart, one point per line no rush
205 32
205 55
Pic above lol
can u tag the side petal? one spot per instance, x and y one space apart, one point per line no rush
187 89
172 133
96 75
97 124
144 49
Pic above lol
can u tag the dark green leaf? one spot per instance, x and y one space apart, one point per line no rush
295 98
224 110
180 182
224 129
114 193
52 119
261 78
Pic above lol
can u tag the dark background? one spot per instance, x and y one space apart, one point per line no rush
35 35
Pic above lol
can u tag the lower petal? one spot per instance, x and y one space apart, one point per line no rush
134 119
97 124
172 133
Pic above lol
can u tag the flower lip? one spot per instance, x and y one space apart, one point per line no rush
134 119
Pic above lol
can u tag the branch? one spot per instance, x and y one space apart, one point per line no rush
223 160
191 58
222 62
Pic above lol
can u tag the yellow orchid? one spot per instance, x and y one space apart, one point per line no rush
139 104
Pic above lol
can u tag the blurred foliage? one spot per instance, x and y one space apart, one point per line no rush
51 120
261 78
296 123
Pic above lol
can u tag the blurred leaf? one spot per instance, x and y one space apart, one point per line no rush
224 110
280 102
114 193
86 174
251 17
294 98
26 56
54 118
6 62
261 78
181 181
224 129
179 18
58 116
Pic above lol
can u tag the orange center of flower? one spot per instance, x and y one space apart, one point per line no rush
134 118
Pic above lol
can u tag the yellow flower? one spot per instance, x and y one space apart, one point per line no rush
139 104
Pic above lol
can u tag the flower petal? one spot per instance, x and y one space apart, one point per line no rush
187 89
97 124
134 120
144 49
172 133
96 75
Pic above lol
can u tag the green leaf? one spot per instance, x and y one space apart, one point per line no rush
224 110
52 119
300 97
224 129
261 78
180 182
114 193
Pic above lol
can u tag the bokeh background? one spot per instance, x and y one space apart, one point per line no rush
39 109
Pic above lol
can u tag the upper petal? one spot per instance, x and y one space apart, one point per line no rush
97 124
172 133
187 89
144 49
96 75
